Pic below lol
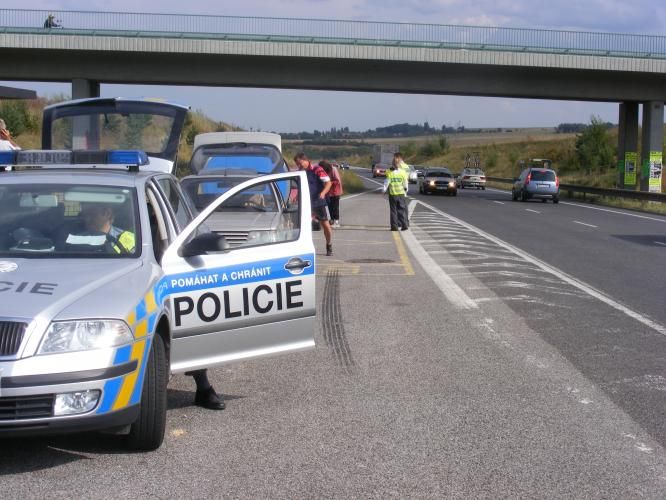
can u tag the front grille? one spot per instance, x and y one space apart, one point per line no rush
235 238
11 335
26 407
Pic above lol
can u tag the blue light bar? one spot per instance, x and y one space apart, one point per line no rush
127 157
7 157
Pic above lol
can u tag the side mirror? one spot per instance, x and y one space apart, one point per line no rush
206 242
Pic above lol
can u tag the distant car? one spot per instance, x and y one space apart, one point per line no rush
344 166
379 170
413 176
472 177
539 183
438 180
420 171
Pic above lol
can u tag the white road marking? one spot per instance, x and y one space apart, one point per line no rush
345 198
581 205
499 202
641 318
613 211
660 243
584 224
449 288
530 210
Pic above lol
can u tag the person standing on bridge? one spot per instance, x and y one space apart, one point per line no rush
397 184
320 184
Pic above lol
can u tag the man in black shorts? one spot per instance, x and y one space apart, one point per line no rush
319 183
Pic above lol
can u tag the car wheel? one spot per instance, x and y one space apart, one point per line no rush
523 196
147 433
483 187
544 200
514 196
455 193
556 199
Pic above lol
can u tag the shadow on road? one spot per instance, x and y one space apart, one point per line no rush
651 240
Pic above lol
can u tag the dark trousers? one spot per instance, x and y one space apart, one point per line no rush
398 208
334 207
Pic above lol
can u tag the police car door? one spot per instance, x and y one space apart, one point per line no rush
240 278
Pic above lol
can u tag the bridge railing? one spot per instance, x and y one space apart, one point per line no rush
626 194
334 31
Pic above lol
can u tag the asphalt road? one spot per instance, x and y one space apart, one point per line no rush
450 363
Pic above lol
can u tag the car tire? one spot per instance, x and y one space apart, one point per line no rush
556 199
514 196
523 196
544 200
455 193
483 188
147 432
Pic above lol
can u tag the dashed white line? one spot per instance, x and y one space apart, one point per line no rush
585 224
499 202
660 243
530 210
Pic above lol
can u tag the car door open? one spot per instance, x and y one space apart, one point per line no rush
239 281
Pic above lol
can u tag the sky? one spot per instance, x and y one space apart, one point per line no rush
298 110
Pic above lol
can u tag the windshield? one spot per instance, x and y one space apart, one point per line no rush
203 191
439 174
68 220
152 127
254 158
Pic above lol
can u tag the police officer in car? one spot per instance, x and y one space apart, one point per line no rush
98 217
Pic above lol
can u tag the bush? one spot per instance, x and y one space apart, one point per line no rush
593 146
18 118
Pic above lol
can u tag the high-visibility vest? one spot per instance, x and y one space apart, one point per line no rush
396 179
122 241
404 167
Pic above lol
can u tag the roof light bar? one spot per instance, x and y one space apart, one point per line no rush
59 158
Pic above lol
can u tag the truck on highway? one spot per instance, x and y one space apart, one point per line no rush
383 154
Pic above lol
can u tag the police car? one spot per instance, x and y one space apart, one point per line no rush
109 283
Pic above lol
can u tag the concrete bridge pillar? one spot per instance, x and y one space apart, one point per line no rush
653 146
627 145
85 131
83 88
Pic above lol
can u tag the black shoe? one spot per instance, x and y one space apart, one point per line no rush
405 228
209 399
329 250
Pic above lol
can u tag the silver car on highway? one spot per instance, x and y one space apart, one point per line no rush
537 183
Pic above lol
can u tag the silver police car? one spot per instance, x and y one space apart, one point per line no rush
109 283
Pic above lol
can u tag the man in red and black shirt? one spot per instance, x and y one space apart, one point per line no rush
319 183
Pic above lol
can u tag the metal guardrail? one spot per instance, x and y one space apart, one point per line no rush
606 192
335 31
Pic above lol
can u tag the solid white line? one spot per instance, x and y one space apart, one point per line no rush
372 180
660 243
613 211
584 287
530 210
584 224
449 288
358 194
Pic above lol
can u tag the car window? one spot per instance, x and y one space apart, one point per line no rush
68 221
258 215
176 202
543 175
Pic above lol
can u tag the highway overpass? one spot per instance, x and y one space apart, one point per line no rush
94 47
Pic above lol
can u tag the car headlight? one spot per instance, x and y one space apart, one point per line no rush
431 183
71 336
261 237
452 183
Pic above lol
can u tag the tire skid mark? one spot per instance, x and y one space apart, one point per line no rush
332 324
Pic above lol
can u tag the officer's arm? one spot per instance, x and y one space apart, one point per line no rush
386 185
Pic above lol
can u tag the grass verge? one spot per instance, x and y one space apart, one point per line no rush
351 182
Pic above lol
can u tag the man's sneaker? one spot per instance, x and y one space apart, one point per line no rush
336 224
329 250
209 399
